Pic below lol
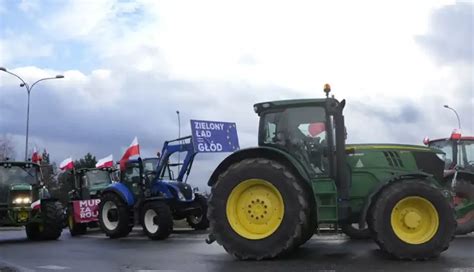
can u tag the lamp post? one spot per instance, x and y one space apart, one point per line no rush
28 91
179 136
457 115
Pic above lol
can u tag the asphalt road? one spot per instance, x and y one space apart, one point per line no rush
185 250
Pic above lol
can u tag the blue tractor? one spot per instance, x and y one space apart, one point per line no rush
149 194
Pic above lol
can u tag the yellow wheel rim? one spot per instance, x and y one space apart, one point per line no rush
71 222
415 220
255 209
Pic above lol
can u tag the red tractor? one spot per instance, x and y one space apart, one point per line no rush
459 174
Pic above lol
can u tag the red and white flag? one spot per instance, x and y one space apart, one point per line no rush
36 205
105 162
66 164
36 157
316 129
132 150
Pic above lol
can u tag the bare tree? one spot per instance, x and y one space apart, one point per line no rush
7 149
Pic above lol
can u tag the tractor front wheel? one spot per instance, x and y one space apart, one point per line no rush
464 195
51 224
412 220
114 216
75 229
199 221
157 220
258 210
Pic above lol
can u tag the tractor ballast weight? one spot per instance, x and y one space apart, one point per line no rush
149 194
25 201
270 199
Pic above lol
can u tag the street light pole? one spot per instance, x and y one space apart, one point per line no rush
457 115
28 91
179 136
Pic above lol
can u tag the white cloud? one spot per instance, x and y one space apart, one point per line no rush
213 60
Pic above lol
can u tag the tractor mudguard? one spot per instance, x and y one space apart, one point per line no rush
371 197
121 190
260 152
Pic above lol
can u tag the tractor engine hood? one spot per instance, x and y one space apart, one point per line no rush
20 195
397 158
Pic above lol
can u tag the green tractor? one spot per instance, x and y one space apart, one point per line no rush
459 176
25 201
268 200
80 191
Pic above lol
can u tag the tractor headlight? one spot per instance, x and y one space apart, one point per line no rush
181 196
22 200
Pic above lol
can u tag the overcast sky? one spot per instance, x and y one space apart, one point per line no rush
129 65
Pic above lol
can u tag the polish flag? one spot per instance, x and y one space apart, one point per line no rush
36 157
36 205
132 150
316 129
105 162
66 164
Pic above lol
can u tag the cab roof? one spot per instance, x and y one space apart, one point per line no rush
263 106
463 138
19 163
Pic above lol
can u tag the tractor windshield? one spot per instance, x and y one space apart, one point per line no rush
150 164
15 175
18 175
96 178
466 154
302 132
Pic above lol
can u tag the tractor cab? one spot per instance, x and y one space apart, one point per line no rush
89 182
459 175
311 133
459 151
139 174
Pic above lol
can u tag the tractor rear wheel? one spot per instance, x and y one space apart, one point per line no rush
412 220
353 231
114 216
258 210
199 221
464 194
157 220
75 228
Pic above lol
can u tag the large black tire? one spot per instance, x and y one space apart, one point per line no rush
355 233
199 221
382 231
114 216
52 214
75 229
157 220
310 227
465 191
51 225
289 232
